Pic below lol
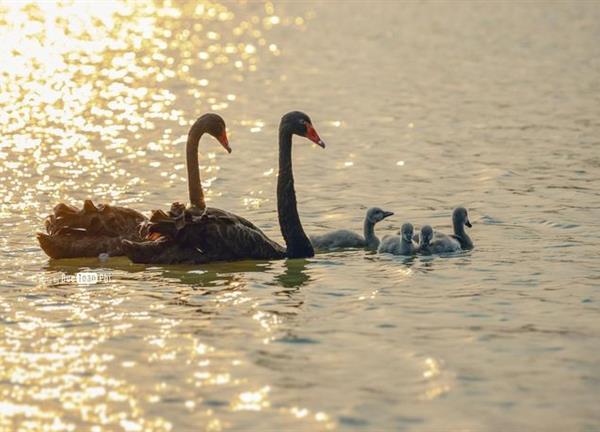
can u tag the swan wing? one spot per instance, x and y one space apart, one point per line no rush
90 231
215 235
226 236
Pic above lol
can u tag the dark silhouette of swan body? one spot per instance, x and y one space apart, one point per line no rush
182 235
201 234
343 238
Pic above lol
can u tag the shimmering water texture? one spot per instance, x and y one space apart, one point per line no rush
424 107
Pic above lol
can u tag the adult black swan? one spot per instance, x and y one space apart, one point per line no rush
201 234
94 230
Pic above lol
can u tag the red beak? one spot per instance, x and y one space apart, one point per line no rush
312 135
224 141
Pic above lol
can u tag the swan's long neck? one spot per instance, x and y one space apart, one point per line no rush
298 244
369 233
461 234
193 168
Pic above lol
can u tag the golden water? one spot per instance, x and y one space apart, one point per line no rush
423 107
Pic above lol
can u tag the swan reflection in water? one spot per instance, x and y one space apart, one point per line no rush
294 276
290 274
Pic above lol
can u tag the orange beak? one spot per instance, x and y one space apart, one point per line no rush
312 135
224 141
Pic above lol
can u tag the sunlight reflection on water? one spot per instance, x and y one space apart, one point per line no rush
423 106
85 89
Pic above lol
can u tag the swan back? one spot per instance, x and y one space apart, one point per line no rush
344 238
444 243
337 239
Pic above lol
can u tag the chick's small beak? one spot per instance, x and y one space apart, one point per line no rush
224 141
312 135
468 223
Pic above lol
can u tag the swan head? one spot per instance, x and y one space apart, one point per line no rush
426 235
215 126
460 217
406 232
300 124
375 214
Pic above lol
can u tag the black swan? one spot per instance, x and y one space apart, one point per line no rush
348 239
399 244
96 230
201 234
459 240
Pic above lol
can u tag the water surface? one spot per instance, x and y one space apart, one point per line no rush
424 106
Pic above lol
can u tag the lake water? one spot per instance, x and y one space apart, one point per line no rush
423 106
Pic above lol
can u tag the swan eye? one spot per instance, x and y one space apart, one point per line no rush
302 121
